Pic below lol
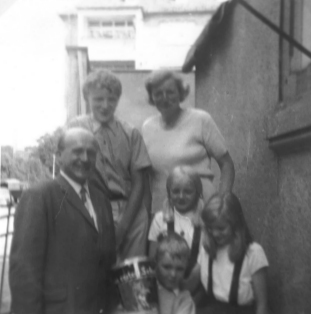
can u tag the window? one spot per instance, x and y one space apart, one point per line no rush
111 29
295 66
289 129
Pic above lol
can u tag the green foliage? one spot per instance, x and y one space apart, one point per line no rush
6 164
47 147
33 164
22 166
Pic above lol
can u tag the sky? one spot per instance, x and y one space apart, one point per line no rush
32 72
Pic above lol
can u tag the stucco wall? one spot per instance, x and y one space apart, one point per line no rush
238 85
294 231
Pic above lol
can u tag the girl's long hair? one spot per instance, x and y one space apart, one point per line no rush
227 207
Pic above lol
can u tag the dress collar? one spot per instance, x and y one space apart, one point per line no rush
193 215
175 291
188 216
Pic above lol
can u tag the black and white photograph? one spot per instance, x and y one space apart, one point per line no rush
155 157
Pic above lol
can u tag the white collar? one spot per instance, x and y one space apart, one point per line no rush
188 215
175 291
75 185
193 215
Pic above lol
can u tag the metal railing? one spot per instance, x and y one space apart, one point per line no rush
6 236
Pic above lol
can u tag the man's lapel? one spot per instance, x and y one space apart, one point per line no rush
75 200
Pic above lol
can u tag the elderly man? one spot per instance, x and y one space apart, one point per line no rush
64 243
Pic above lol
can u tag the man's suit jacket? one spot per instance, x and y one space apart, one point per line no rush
59 262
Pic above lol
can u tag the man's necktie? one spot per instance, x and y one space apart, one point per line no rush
83 194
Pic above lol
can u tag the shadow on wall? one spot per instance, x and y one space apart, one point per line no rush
214 38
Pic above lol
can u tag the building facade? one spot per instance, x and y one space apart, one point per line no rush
132 37
137 34
257 86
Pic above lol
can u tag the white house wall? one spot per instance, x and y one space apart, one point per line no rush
165 39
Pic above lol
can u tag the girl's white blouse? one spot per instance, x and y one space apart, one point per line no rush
182 223
254 260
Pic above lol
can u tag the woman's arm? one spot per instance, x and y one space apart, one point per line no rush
227 173
147 194
259 280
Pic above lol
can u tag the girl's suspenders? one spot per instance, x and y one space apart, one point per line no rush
170 227
194 247
210 292
194 250
233 295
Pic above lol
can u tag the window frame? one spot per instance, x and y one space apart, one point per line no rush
111 26
293 74
290 127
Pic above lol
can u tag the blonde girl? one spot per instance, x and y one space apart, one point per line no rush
231 266
180 212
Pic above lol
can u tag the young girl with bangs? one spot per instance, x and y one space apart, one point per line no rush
180 212
231 267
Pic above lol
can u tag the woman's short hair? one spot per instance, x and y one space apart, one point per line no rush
102 79
227 207
174 245
192 175
158 77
